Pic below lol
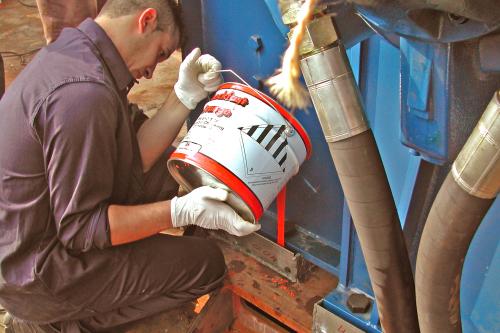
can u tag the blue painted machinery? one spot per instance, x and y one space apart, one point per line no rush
426 72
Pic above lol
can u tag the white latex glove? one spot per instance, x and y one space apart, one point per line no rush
198 76
206 208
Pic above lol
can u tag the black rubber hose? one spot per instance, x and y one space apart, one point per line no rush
375 218
460 205
451 224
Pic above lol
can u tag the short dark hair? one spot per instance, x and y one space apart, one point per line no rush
169 15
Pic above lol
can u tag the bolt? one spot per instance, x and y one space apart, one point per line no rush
358 303
289 131
255 43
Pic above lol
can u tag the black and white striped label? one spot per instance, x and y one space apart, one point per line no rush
272 138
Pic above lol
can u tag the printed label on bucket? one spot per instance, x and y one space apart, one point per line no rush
188 148
251 148
248 138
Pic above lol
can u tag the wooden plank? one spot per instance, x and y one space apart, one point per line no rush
217 315
229 313
290 303
249 320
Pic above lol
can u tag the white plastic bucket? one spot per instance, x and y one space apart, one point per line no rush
243 142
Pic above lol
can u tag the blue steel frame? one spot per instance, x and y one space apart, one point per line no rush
424 102
249 37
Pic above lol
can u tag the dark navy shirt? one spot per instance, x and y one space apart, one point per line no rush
67 151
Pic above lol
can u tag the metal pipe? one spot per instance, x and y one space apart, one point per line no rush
334 93
337 101
477 167
463 200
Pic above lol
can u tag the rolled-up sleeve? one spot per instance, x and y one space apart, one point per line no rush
76 126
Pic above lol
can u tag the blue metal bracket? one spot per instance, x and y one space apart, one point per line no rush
424 99
419 58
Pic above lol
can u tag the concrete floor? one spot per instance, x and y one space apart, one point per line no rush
21 36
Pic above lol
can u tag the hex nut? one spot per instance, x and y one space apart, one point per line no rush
358 303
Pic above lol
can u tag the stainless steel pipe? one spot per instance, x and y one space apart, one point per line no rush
464 198
334 93
477 167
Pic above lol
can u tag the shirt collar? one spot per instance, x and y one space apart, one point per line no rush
114 61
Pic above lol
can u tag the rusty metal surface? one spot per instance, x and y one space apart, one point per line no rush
289 303
285 262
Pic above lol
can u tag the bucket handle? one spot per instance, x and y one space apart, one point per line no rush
289 126
247 84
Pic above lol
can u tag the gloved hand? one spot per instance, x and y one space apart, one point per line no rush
205 207
197 77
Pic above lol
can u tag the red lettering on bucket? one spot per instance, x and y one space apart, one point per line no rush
230 97
219 112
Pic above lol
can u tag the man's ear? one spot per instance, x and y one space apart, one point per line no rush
148 20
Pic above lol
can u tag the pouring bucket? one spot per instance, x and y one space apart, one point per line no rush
245 143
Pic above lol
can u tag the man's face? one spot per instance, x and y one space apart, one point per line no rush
153 48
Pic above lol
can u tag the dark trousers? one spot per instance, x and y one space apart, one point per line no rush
161 272
164 272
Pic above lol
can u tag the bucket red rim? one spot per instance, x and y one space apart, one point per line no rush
271 102
225 176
